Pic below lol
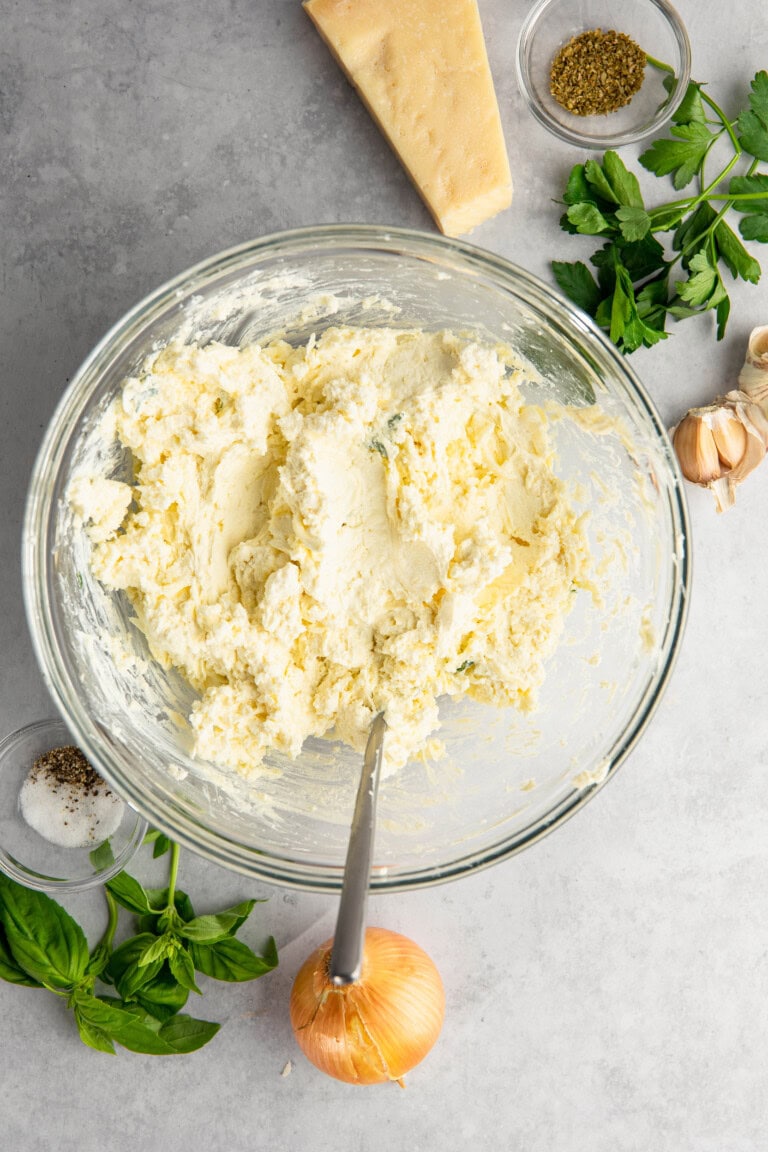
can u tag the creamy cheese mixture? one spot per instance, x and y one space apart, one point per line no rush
316 534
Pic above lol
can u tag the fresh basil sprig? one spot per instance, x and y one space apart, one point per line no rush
152 972
640 282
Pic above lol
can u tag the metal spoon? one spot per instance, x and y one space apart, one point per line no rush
347 951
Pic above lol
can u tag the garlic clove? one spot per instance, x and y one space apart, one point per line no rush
729 435
696 449
753 378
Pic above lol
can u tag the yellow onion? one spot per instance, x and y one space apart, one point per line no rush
377 1028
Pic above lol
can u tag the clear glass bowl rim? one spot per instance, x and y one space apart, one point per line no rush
572 135
181 824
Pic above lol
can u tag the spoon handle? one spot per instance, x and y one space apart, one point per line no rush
347 952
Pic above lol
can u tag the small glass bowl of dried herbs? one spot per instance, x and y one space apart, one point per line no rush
600 74
61 825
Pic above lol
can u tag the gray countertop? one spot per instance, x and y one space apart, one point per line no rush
607 990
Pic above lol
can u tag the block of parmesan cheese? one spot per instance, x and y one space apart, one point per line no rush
421 69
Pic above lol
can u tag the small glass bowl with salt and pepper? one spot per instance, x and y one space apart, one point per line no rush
602 74
61 826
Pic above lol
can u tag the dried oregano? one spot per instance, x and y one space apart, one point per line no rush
597 72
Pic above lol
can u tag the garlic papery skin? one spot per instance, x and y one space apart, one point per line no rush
377 1028
753 378
719 445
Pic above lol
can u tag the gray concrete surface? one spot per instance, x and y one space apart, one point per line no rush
608 990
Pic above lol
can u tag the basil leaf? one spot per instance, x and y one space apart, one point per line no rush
127 971
102 857
93 1036
207 929
124 955
122 1025
129 893
159 949
98 960
185 1034
183 969
163 996
44 939
160 841
9 969
232 960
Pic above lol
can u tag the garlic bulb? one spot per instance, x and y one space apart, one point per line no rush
377 1028
720 444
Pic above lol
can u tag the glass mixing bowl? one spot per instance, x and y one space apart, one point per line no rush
506 778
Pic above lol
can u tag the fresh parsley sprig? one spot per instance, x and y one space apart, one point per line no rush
152 972
639 281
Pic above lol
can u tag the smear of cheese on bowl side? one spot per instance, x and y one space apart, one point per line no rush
421 69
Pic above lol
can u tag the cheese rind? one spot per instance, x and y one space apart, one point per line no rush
421 69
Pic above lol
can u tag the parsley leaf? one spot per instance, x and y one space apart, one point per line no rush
754 226
753 123
623 183
722 312
578 190
683 157
578 284
691 108
700 285
639 282
756 187
597 180
635 222
588 219
734 255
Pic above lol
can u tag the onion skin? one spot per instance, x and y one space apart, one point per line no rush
378 1028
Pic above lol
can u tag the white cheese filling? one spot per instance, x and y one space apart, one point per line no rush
316 534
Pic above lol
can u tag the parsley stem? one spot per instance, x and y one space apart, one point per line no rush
726 123
741 195
690 202
659 64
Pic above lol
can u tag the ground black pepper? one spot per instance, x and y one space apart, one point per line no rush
69 766
597 72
